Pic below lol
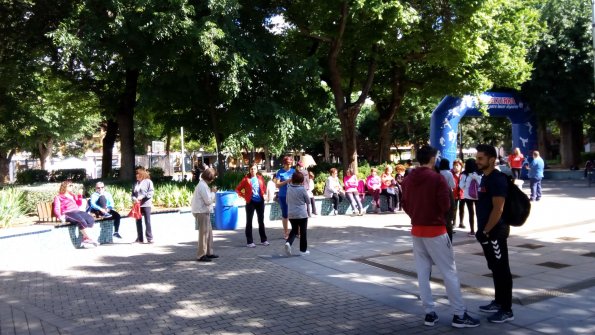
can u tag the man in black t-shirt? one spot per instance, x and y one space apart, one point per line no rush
492 233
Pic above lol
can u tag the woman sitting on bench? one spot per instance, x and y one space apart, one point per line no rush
66 207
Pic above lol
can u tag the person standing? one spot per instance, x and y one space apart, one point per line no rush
297 198
535 168
457 167
373 185
312 212
142 193
399 177
282 178
252 189
492 234
350 183
202 207
102 203
299 167
332 189
66 208
515 161
427 200
444 170
470 184
388 188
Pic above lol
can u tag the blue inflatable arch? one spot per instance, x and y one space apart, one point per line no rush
445 121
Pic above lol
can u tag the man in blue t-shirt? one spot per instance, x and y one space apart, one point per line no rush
281 179
535 168
492 233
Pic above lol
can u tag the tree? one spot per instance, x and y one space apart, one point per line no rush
453 48
59 112
561 85
24 50
117 41
344 37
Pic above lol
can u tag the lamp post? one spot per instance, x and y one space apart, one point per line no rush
183 155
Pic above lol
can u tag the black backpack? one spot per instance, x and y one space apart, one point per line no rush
517 206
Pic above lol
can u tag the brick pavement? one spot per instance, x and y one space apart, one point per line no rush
356 280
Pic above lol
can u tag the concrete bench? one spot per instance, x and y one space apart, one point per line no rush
45 214
324 207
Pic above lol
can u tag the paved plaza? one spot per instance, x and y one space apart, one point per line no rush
358 279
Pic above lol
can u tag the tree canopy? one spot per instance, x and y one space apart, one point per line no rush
274 74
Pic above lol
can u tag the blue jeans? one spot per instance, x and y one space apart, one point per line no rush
535 184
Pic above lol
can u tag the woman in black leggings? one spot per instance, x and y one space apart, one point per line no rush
469 183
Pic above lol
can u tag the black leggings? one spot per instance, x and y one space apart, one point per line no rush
337 198
471 209
146 212
251 207
392 200
300 225
82 219
516 173
102 202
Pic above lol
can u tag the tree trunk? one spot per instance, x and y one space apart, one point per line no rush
267 159
327 148
111 134
168 143
385 137
5 166
348 117
126 122
387 116
571 140
542 141
44 149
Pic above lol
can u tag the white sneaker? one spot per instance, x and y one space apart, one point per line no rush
287 249
251 245
265 243
88 244
304 253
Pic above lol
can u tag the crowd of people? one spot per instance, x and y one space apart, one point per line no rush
434 195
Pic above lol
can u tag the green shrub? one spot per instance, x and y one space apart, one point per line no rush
32 176
586 156
12 205
35 194
229 181
76 175
319 182
324 167
156 173
173 195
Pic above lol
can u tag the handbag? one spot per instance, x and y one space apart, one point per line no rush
135 211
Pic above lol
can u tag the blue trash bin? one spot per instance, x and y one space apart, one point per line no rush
226 212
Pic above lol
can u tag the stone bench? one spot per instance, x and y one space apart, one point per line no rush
324 207
45 214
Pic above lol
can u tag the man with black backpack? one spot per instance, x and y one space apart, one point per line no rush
492 233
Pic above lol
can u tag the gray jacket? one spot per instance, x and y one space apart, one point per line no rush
297 198
143 191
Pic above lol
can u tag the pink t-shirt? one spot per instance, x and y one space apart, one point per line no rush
350 183
373 182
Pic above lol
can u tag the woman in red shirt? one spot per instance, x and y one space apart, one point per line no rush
252 189
515 161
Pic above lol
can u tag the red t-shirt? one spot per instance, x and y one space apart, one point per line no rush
516 162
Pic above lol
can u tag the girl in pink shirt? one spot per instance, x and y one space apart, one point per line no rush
350 183
373 185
